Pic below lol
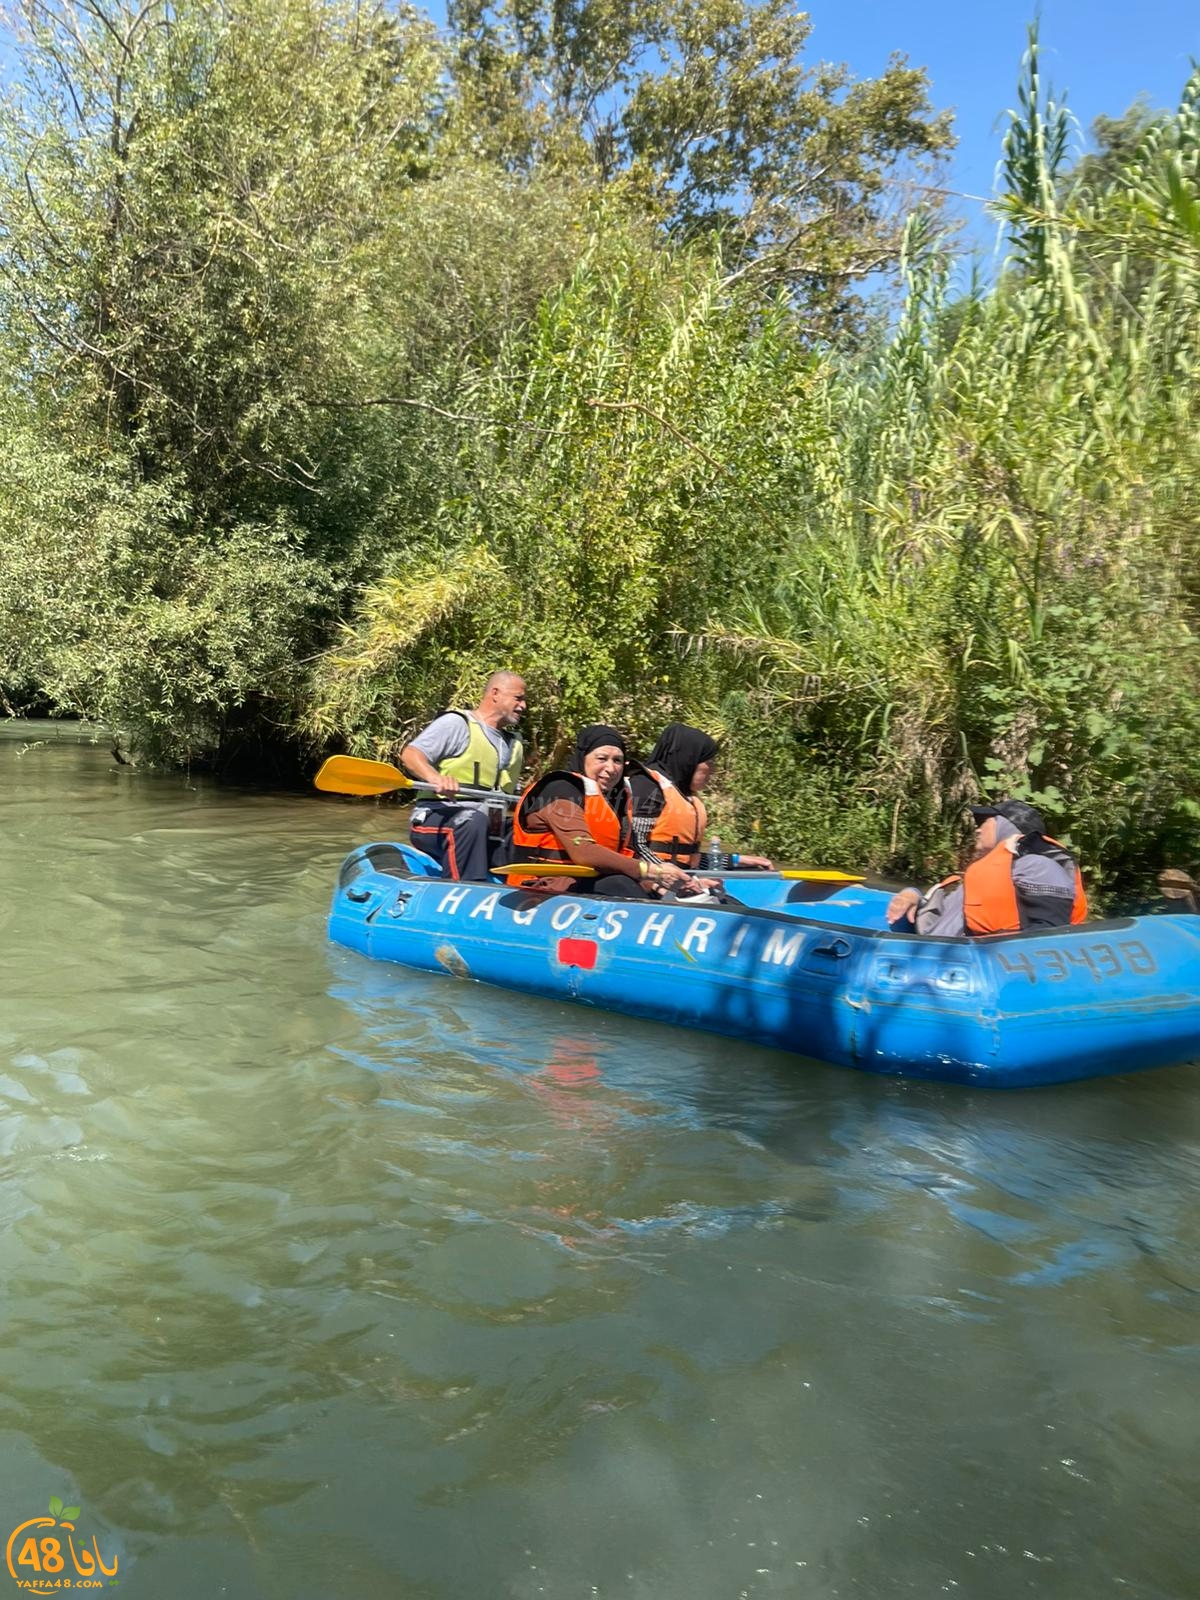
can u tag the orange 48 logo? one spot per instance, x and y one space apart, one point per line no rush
37 1559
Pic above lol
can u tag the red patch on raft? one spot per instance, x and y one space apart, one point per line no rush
577 953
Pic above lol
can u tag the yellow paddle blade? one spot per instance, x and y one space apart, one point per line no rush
350 775
824 876
544 869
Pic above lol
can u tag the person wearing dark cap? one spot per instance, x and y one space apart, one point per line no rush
669 819
584 814
1018 878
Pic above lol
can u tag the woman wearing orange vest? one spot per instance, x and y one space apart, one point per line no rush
585 815
1019 878
669 818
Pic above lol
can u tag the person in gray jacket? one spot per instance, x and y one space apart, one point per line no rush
1018 879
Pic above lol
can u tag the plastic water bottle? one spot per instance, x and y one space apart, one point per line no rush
715 858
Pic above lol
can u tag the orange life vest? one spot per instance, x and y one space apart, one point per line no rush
990 895
679 828
608 825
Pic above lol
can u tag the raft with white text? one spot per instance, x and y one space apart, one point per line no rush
806 967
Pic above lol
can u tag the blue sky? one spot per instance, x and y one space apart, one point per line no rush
1103 54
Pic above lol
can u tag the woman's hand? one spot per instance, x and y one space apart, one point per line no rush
669 875
759 863
691 885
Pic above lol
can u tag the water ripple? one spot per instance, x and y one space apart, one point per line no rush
323 1278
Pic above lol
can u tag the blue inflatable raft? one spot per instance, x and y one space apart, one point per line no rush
804 967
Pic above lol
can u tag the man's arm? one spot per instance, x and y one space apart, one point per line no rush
446 736
902 906
417 765
935 914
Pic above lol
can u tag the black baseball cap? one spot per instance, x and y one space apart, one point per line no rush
1024 817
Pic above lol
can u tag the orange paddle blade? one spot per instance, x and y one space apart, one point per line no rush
544 869
350 775
823 876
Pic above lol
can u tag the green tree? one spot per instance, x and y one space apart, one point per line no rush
1115 142
190 203
705 111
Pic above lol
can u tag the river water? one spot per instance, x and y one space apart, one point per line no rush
325 1279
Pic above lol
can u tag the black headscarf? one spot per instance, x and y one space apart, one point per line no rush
679 751
591 738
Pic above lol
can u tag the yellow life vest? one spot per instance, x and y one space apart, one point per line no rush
479 764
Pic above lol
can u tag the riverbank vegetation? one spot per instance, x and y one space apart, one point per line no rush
341 361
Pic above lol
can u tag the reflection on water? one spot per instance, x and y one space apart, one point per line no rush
324 1279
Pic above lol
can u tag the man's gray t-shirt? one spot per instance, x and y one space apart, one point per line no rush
449 735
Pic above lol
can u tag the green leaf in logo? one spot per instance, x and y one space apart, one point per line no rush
71 1514
55 1505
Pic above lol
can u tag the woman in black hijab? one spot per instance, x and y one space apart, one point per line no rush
680 752
597 736
669 818
585 815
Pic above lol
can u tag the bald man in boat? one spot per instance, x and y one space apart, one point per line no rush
460 751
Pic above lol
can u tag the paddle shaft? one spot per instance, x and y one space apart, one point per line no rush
464 794
789 875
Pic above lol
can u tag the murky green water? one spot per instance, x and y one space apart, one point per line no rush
324 1279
